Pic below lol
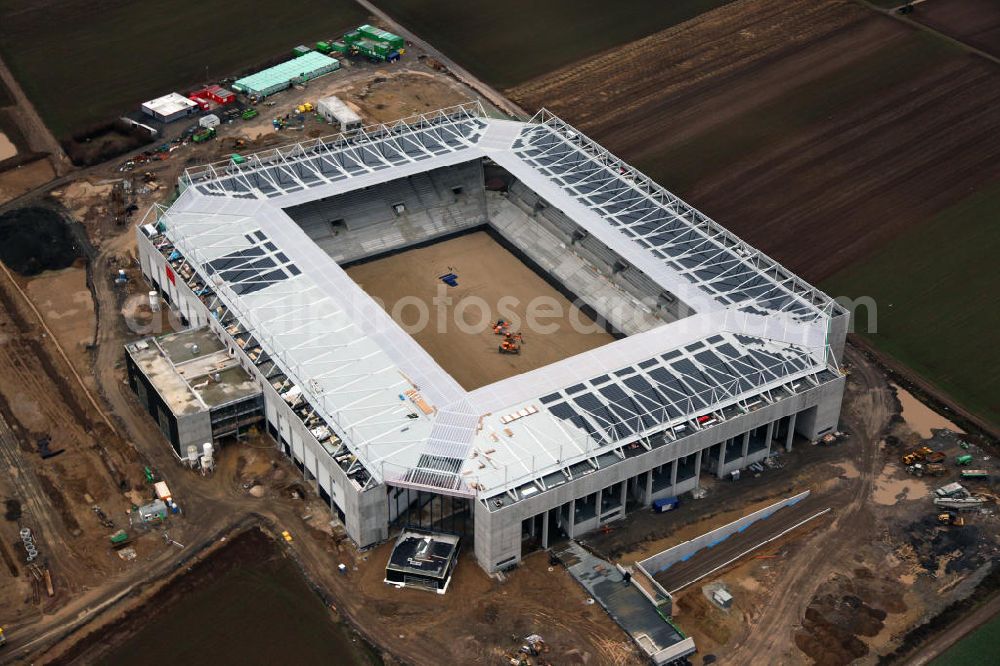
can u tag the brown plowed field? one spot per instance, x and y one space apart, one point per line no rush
793 120
975 22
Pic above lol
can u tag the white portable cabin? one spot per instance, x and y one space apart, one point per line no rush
334 110
209 120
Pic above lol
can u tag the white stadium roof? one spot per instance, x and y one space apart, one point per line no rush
758 332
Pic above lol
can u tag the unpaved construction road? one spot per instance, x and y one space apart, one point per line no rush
715 557
868 407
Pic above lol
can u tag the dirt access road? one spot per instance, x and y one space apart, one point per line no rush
868 411
38 135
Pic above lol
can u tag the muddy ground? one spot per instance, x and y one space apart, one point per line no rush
849 587
465 345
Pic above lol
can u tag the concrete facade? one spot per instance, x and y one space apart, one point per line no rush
499 530
662 560
364 512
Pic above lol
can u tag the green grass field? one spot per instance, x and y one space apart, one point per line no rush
82 62
507 43
936 289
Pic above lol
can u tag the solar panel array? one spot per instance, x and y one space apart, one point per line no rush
251 269
348 353
644 396
709 257
287 170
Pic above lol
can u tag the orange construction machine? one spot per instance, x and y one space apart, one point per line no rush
508 346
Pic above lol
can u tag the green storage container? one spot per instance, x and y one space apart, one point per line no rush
323 47
352 37
379 35
339 47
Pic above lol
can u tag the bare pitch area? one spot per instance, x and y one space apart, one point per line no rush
457 331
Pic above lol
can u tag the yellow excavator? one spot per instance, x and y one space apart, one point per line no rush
949 518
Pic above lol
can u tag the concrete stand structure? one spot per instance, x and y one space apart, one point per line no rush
193 388
723 355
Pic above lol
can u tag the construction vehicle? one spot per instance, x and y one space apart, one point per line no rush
975 474
148 473
927 469
934 469
950 518
120 539
204 135
249 113
917 455
304 108
963 460
286 535
952 490
508 347
3 638
960 503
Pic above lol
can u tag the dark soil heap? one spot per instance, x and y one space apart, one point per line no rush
33 240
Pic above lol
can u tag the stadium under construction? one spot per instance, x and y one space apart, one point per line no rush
720 354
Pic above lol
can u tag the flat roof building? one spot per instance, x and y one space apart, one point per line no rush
335 111
304 68
170 107
424 560
193 387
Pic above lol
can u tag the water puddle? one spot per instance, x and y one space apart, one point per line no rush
921 418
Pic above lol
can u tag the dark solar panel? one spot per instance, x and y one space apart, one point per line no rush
601 414
566 412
